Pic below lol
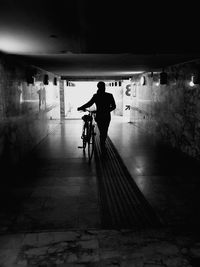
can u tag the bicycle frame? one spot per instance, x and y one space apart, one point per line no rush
88 133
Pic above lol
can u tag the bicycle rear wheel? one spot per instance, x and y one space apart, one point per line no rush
84 136
91 141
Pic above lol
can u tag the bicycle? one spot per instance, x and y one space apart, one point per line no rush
88 133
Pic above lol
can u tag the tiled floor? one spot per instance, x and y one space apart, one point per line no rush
50 213
58 189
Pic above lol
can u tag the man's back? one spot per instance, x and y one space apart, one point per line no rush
104 103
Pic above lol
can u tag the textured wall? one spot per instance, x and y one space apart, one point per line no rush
22 123
170 111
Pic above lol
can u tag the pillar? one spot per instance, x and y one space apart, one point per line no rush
62 100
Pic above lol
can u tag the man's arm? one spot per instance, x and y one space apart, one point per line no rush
87 105
112 104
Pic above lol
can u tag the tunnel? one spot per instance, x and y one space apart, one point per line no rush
144 186
99 134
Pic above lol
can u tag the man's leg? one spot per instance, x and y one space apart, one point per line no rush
103 129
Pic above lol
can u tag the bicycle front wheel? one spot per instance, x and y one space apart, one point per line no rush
91 141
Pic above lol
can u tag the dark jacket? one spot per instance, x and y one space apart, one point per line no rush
105 103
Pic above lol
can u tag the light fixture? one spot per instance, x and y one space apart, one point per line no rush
55 81
191 83
163 77
196 78
46 79
142 80
157 83
30 80
30 76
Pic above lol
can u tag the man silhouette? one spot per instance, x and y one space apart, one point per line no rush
105 103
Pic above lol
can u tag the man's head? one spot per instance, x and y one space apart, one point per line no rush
101 87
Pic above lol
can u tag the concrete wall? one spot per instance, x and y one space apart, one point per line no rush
171 111
22 124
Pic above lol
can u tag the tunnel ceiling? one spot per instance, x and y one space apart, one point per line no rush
77 37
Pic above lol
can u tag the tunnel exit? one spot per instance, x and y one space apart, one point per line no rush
77 93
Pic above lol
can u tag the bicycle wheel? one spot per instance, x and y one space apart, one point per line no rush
91 141
84 136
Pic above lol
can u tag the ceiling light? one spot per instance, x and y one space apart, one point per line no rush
191 83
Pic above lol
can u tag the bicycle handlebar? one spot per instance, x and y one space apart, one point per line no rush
91 111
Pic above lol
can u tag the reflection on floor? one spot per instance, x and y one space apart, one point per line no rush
56 190
168 179
50 208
